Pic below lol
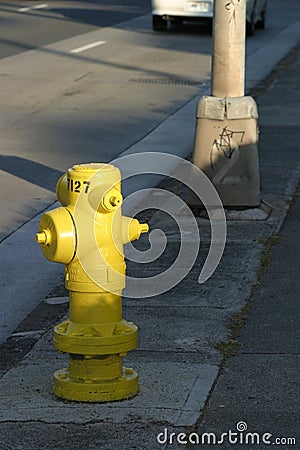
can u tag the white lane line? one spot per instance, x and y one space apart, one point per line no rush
87 47
29 8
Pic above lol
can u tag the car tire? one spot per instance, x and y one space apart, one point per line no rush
177 22
159 24
250 27
261 24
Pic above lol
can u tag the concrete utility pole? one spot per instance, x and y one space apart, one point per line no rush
226 130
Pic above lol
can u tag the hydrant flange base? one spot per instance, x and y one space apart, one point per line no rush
73 389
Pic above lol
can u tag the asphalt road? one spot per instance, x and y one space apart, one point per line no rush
27 25
63 103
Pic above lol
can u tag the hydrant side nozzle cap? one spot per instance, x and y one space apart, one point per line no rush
144 228
132 229
56 235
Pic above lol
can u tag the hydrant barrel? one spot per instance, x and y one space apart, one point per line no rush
87 234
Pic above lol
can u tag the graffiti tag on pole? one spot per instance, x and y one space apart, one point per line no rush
232 6
226 144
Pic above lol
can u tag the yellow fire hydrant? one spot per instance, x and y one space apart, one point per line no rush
87 234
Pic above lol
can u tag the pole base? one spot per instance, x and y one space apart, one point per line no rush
76 389
226 149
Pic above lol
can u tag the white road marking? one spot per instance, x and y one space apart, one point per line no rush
87 47
29 8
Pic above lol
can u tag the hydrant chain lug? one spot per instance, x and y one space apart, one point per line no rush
95 336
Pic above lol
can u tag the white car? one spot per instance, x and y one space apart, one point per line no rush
178 11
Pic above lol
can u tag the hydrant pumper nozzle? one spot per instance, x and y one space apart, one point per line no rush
87 234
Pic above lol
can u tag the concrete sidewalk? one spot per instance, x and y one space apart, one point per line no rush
257 390
177 358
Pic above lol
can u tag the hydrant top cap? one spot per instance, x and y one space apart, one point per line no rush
94 167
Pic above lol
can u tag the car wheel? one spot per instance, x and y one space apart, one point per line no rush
250 27
261 24
158 23
177 21
210 25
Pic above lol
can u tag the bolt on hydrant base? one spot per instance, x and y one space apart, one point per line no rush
87 234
